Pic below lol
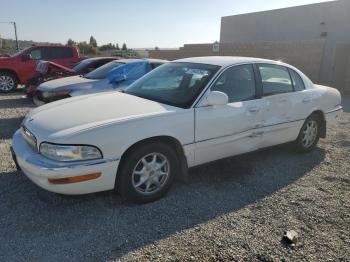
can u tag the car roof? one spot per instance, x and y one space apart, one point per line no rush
52 45
135 60
101 58
225 60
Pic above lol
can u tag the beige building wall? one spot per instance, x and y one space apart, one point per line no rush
341 68
305 55
347 81
328 20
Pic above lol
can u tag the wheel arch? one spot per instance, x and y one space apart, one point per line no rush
11 71
169 140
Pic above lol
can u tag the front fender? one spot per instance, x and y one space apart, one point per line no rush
113 140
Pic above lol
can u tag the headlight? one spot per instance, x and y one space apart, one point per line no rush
69 152
50 95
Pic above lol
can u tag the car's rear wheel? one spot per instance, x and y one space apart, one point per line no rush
309 134
147 172
8 82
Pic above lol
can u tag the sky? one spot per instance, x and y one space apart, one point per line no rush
138 23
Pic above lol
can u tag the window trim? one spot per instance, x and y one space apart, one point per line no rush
197 103
256 95
274 65
302 80
291 79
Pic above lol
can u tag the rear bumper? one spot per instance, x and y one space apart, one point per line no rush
332 117
39 169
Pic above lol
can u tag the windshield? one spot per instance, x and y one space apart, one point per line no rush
19 52
176 84
101 72
80 66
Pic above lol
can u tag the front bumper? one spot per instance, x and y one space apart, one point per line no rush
39 169
55 96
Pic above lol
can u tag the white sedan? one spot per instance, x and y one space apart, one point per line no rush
182 114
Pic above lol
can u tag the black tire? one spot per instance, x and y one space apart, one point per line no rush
10 79
125 183
300 144
37 101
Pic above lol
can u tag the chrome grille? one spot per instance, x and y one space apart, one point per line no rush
29 137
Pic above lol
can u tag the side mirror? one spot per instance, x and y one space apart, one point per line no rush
25 57
217 98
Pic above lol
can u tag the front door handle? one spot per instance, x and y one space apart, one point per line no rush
256 134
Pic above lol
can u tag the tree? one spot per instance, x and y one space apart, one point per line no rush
124 48
6 44
70 42
156 48
93 41
109 46
86 48
117 46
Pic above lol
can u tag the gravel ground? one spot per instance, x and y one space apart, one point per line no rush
234 209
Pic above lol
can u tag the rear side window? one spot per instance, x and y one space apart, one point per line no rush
298 82
59 53
275 79
238 83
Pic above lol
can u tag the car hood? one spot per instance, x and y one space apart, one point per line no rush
5 58
54 121
71 83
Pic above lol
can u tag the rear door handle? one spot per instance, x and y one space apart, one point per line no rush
307 99
254 110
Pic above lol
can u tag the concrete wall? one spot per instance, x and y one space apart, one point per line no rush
342 68
329 20
347 79
305 55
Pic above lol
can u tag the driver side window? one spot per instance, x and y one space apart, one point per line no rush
35 54
238 83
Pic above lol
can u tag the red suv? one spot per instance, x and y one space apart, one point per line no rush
20 67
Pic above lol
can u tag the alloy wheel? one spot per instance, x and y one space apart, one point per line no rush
150 173
6 83
309 133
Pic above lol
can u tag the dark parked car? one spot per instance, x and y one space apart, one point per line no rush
46 71
91 64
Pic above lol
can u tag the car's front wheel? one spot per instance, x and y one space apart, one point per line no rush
147 173
8 82
309 134
37 101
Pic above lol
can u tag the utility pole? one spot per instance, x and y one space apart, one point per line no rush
14 25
